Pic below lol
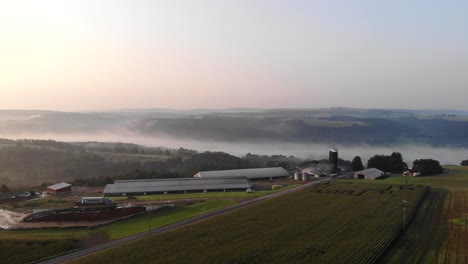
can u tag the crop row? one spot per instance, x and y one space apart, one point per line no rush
323 224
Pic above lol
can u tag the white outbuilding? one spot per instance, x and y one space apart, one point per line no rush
369 174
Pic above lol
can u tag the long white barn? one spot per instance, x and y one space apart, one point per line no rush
177 185
261 173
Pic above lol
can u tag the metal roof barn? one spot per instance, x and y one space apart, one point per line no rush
261 173
369 174
62 187
143 187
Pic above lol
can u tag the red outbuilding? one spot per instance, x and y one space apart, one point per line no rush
59 188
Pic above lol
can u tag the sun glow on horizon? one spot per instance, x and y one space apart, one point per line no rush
75 55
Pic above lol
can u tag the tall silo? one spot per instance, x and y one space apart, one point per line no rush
333 159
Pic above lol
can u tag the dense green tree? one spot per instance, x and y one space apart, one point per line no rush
397 165
464 163
380 162
393 163
427 167
356 164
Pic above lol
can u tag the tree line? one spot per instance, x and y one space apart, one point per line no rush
394 164
28 163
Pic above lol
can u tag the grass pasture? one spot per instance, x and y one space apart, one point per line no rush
159 218
30 245
327 223
454 176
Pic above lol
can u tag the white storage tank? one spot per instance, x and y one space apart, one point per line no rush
305 176
298 176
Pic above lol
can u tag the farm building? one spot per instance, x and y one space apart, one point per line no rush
320 170
178 185
261 173
369 174
59 188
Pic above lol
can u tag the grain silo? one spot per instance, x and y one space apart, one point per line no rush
333 159
298 176
305 176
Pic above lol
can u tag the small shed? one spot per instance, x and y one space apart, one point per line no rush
59 188
369 174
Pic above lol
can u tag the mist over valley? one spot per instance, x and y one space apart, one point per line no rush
304 133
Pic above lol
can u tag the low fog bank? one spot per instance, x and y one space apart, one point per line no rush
410 152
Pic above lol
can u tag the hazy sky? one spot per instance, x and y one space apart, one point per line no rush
98 54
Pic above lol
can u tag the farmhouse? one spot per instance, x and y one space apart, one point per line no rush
59 188
369 174
261 173
178 185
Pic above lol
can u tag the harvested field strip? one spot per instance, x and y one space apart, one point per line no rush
327 223
456 209
439 233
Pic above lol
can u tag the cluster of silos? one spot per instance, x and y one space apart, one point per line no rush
301 176
332 160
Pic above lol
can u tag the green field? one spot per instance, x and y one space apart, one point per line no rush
14 251
43 243
328 223
439 232
48 242
160 218
29 245
454 176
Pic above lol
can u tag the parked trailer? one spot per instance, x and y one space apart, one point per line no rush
95 200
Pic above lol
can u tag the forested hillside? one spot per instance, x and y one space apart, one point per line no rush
344 126
33 162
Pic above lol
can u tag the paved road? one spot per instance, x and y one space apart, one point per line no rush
159 230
